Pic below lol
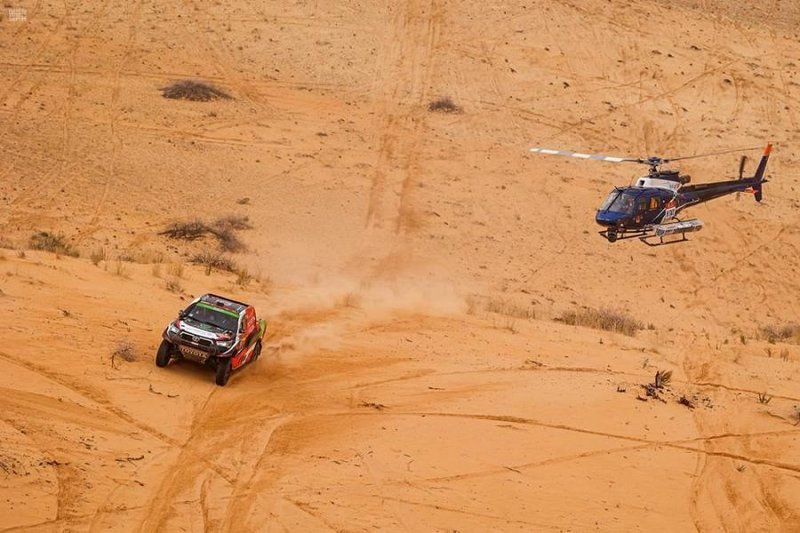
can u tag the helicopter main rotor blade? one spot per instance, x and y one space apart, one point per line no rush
579 155
670 159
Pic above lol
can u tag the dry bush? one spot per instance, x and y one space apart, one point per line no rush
228 240
125 350
97 255
51 242
173 285
223 229
662 379
120 269
510 324
501 306
243 278
764 398
604 319
773 333
511 309
194 90
176 270
215 261
444 104
186 231
351 299
233 222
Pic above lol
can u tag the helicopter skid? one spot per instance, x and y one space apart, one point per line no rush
613 236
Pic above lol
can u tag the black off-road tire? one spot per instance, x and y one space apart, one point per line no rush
223 371
258 351
164 354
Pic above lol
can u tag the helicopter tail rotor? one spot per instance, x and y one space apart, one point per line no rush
759 177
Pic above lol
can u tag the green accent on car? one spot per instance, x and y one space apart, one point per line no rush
213 308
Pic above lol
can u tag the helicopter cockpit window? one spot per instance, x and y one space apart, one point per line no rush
654 203
619 202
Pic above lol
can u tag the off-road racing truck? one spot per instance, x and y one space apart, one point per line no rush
215 331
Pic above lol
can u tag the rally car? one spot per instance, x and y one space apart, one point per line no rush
214 331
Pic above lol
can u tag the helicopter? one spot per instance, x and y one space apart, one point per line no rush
649 208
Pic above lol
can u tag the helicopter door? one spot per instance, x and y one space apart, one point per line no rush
640 211
652 208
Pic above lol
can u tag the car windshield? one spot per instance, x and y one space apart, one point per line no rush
619 202
208 314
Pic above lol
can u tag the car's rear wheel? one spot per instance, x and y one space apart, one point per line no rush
223 371
163 355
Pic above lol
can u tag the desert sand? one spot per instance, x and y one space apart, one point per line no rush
413 267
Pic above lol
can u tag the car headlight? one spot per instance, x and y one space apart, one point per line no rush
172 329
225 343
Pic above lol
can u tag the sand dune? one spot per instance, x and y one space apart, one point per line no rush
413 266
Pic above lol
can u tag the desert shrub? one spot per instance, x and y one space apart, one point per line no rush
223 229
186 231
233 222
227 239
52 242
510 309
773 333
444 104
243 278
662 379
173 285
176 270
214 261
97 255
351 299
120 269
604 319
197 91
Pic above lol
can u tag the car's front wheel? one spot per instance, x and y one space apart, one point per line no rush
163 355
223 371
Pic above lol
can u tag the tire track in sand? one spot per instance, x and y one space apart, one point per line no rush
405 71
